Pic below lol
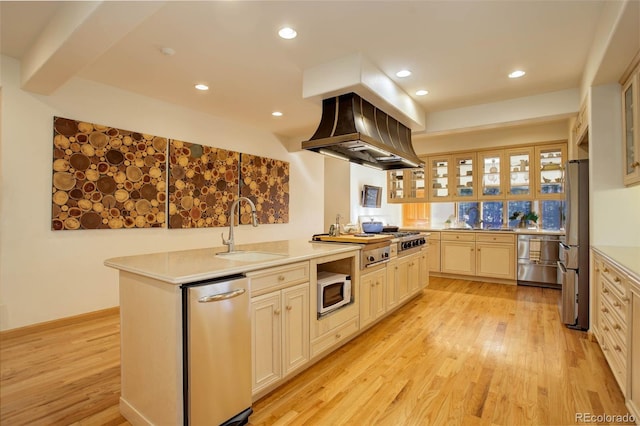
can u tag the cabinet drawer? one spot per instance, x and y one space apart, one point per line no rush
616 358
458 236
615 278
611 323
614 302
495 238
340 334
280 277
434 235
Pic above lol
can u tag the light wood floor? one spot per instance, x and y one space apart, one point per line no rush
464 353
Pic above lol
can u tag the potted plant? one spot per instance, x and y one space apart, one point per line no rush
524 218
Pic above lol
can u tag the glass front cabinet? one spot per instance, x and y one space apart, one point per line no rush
439 169
519 179
464 185
631 133
491 175
406 185
550 164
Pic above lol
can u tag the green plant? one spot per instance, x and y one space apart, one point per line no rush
532 216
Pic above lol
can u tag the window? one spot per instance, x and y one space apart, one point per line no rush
517 206
552 214
492 214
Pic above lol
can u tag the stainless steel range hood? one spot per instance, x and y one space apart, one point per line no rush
353 129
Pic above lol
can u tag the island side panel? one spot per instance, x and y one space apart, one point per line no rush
151 351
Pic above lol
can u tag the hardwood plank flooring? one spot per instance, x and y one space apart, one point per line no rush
464 353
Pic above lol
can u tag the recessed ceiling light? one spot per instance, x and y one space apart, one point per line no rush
517 74
276 114
403 73
287 33
202 87
167 51
422 92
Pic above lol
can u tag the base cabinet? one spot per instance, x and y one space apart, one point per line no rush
280 334
372 296
496 256
458 257
616 325
434 251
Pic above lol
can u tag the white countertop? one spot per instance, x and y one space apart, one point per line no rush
180 267
511 230
627 258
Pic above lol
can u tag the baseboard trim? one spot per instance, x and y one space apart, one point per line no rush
61 322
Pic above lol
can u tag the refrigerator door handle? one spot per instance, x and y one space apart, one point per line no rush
561 267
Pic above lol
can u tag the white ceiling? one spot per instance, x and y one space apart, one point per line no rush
461 51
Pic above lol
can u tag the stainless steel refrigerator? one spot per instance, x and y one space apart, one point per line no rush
573 266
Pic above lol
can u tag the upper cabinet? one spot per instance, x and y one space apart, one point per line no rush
464 178
440 169
631 133
520 180
491 175
406 186
513 173
550 166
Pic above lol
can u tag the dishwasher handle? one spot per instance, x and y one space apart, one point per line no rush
222 296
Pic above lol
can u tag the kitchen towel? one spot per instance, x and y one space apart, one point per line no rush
534 250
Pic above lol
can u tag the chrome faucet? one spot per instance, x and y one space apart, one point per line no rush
254 221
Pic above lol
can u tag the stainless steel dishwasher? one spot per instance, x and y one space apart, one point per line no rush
217 352
537 260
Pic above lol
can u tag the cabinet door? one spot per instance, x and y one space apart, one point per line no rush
424 267
492 175
393 275
372 296
458 257
631 134
518 167
404 276
496 260
266 338
550 163
439 169
634 349
296 327
414 274
464 177
406 186
434 255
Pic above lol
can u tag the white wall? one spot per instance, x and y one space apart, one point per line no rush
390 214
614 208
46 275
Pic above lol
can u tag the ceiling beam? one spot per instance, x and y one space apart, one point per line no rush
78 34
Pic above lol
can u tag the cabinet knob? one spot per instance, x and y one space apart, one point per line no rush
625 299
472 249
605 310
606 269
616 304
635 164
605 328
616 326
289 308
276 312
616 279
605 290
280 277
617 348
338 336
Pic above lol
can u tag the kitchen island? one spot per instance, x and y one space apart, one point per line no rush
156 314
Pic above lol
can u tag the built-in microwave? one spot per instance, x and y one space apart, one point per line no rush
334 291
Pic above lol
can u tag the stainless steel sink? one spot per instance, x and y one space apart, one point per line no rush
250 256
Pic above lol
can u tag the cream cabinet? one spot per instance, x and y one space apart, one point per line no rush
406 186
279 322
423 267
520 180
616 324
630 130
280 334
549 165
433 242
464 180
372 296
439 170
495 255
409 282
491 175
457 251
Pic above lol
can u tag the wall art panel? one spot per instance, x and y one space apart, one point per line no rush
104 177
265 181
203 182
